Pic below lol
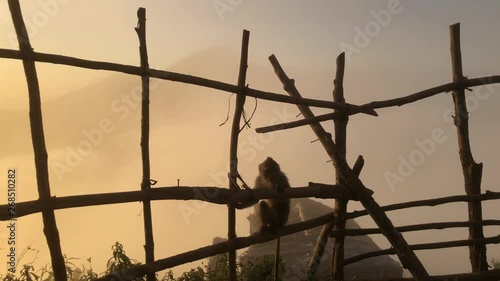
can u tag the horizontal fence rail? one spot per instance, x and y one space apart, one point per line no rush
178 77
488 195
490 275
445 88
416 227
214 195
426 246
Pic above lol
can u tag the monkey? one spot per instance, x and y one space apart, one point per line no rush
272 213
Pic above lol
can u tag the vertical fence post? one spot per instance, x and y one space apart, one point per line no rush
340 138
340 208
472 171
146 172
37 135
233 150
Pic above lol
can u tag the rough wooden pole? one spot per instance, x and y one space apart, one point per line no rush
340 208
472 171
407 257
149 247
37 135
233 150
340 139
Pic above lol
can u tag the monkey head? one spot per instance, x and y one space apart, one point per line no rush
269 169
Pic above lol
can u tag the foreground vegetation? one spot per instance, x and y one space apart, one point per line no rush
260 269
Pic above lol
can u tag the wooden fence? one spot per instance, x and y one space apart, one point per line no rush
348 185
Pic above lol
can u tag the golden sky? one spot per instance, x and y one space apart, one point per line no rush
393 48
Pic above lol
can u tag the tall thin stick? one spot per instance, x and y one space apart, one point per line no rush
37 135
472 171
340 208
340 139
277 263
146 171
233 150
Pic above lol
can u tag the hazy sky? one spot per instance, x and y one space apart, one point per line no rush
394 48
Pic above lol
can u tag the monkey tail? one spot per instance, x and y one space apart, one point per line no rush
277 259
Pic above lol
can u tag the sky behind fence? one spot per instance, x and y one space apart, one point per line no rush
394 48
